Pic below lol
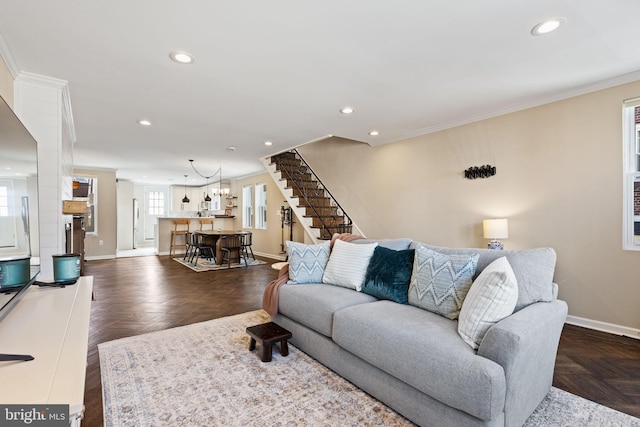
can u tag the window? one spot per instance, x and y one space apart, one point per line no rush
4 200
7 222
261 205
156 203
631 170
247 206
86 189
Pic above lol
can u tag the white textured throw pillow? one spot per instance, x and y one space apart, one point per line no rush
348 264
492 297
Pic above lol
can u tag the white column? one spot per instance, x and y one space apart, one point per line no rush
43 105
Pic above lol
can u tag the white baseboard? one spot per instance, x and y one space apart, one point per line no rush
97 257
604 327
280 257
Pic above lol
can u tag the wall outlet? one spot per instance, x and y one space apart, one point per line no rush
100 242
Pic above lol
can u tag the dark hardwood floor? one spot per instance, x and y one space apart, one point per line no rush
601 367
144 294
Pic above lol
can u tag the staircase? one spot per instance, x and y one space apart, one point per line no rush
318 211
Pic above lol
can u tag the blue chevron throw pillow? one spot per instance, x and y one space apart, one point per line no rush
440 282
307 262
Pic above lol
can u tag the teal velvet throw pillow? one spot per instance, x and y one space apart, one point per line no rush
389 274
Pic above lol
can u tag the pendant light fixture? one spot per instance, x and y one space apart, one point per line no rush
207 198
219 171
185 199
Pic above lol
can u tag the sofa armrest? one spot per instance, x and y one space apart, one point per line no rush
525 344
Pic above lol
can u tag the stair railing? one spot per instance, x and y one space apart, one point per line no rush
295 174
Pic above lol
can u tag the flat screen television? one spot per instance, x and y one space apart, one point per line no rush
19 243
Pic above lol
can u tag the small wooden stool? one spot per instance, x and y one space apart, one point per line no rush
267 334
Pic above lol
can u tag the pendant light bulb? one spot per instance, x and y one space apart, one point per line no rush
185 199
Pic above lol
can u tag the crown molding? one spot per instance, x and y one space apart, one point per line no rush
559 96
41 80
7 57
63 87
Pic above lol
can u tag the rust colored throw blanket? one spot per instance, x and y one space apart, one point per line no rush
270 296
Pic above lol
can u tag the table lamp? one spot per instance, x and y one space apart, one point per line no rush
495 229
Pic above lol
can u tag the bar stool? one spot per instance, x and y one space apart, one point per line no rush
180 228
205 222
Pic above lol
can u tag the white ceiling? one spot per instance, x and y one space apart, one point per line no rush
280 70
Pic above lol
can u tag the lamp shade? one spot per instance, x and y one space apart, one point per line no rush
495 228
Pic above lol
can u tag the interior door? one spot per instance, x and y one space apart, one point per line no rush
156 204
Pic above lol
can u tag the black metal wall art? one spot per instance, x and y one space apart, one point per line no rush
485 171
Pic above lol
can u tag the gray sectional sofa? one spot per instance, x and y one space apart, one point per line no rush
416 362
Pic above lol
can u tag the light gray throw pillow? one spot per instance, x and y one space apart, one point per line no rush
307 262
440 282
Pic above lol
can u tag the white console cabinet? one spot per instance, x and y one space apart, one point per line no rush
52 325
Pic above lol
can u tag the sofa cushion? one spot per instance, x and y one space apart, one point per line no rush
534 269
403 341
313 305
348 264
492 297
307 262
395 244
388 274
440 282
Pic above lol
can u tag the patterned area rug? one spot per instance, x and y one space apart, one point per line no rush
204 375
206 265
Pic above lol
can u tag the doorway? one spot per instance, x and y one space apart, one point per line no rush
155 205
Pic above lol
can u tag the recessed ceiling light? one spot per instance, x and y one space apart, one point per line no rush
547 26
374 133
182 57
268 143
347 110
144 122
